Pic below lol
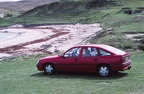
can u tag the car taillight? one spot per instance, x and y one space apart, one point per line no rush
126 58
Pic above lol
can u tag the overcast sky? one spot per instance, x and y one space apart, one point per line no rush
9 0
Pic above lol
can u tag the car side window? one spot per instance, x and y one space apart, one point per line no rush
74 52
89 51
104 53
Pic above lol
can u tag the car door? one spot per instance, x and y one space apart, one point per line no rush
89 59
69 60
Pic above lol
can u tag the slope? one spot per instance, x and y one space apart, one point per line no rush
116 23
55 8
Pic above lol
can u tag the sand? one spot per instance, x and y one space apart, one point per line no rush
46 39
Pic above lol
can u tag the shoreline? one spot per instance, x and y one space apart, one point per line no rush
47 39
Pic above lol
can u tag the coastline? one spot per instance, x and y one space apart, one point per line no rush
46 39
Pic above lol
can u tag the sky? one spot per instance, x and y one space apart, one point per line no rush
9 0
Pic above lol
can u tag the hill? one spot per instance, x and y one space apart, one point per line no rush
24 5
122 21
66 7
121 28
56 7
65 12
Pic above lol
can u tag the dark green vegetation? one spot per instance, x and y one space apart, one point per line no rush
67 11
20 76
22 6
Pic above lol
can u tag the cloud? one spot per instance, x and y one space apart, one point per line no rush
9 0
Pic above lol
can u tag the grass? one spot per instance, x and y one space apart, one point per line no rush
117 40
20 76
116 24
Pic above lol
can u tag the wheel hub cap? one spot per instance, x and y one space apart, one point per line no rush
103 71
49 69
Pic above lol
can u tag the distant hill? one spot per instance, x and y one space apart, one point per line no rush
23 5
55 8
66 7
64 11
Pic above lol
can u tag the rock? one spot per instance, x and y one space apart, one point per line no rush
16 26
137 11
4 31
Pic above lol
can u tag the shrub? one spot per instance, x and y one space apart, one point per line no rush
125 8
9 15
137 11
142 41
141 47
128 11
142 8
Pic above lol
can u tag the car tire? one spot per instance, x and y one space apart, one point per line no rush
115 72
49 69
103 71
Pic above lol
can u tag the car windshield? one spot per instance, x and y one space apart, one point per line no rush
114 50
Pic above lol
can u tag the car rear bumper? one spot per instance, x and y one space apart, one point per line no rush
122 67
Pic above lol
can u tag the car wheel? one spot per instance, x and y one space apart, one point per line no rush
49 69
104 70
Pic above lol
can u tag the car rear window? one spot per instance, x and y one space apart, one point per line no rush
104 53
114 50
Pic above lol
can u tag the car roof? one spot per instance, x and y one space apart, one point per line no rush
92 45
104 46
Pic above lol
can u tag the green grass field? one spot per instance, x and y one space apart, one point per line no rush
20 76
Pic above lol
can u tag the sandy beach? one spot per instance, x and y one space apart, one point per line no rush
45 39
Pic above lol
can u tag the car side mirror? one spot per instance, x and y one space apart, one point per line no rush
62 55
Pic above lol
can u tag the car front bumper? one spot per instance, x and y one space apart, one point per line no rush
39 67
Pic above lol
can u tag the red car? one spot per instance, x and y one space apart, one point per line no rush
99 58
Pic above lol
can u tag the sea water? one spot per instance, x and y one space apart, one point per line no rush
5 36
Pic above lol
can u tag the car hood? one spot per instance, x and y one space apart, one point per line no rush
50 57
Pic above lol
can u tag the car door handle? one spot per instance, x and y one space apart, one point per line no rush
95 59
76 59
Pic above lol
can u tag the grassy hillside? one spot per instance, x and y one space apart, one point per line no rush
110 15
23 5
66 11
